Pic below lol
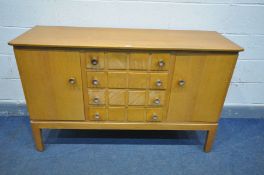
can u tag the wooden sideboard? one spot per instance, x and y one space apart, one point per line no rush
124 79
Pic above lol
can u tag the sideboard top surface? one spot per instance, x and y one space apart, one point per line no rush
113 38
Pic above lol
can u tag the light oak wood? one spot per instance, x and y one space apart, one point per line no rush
146 79
206 77
98 56
210 139
155 78
117 97
136 114
137 98
117 114
100 111
160 57
99 77
97 97
37 136
117 79
147 39
45 78
117 60
138 80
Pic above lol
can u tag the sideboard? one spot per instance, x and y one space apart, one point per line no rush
124 79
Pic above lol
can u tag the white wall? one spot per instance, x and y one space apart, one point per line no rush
240 20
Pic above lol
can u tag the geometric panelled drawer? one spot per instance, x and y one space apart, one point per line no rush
124 79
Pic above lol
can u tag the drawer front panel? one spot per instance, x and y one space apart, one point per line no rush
96 79
139 61
138 80
117 60
136 114
97 114
156 98
137 98
158 80
160 61
94 60
117 80
129 86
96 97
117 97
154 114
116 114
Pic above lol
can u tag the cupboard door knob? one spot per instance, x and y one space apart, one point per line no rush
72 80
158 83
96 100
161 63
96 116
156 101
181 83
155 117
94 61
95 82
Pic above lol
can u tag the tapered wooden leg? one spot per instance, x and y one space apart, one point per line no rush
210 139
36 131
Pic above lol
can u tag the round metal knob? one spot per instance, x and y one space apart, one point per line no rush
158 83
181 83
95 82
161 63
96 100
72 80
96 116
94 61
156 101
155 117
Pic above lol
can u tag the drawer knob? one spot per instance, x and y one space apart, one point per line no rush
181 83
156 101
72 80
95 82
96 116
155 117
161 63
158 83
96 100
94 61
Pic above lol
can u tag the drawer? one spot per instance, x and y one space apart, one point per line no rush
97 113
117 80
138 80
154 114
94 60
116 114
117 60
160 61
139 61
96 97
158 80
156 98
136 114
137 98
117 97
96 79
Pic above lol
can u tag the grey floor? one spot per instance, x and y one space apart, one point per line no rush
238 149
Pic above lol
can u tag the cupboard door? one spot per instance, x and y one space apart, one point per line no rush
199 86
52 83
